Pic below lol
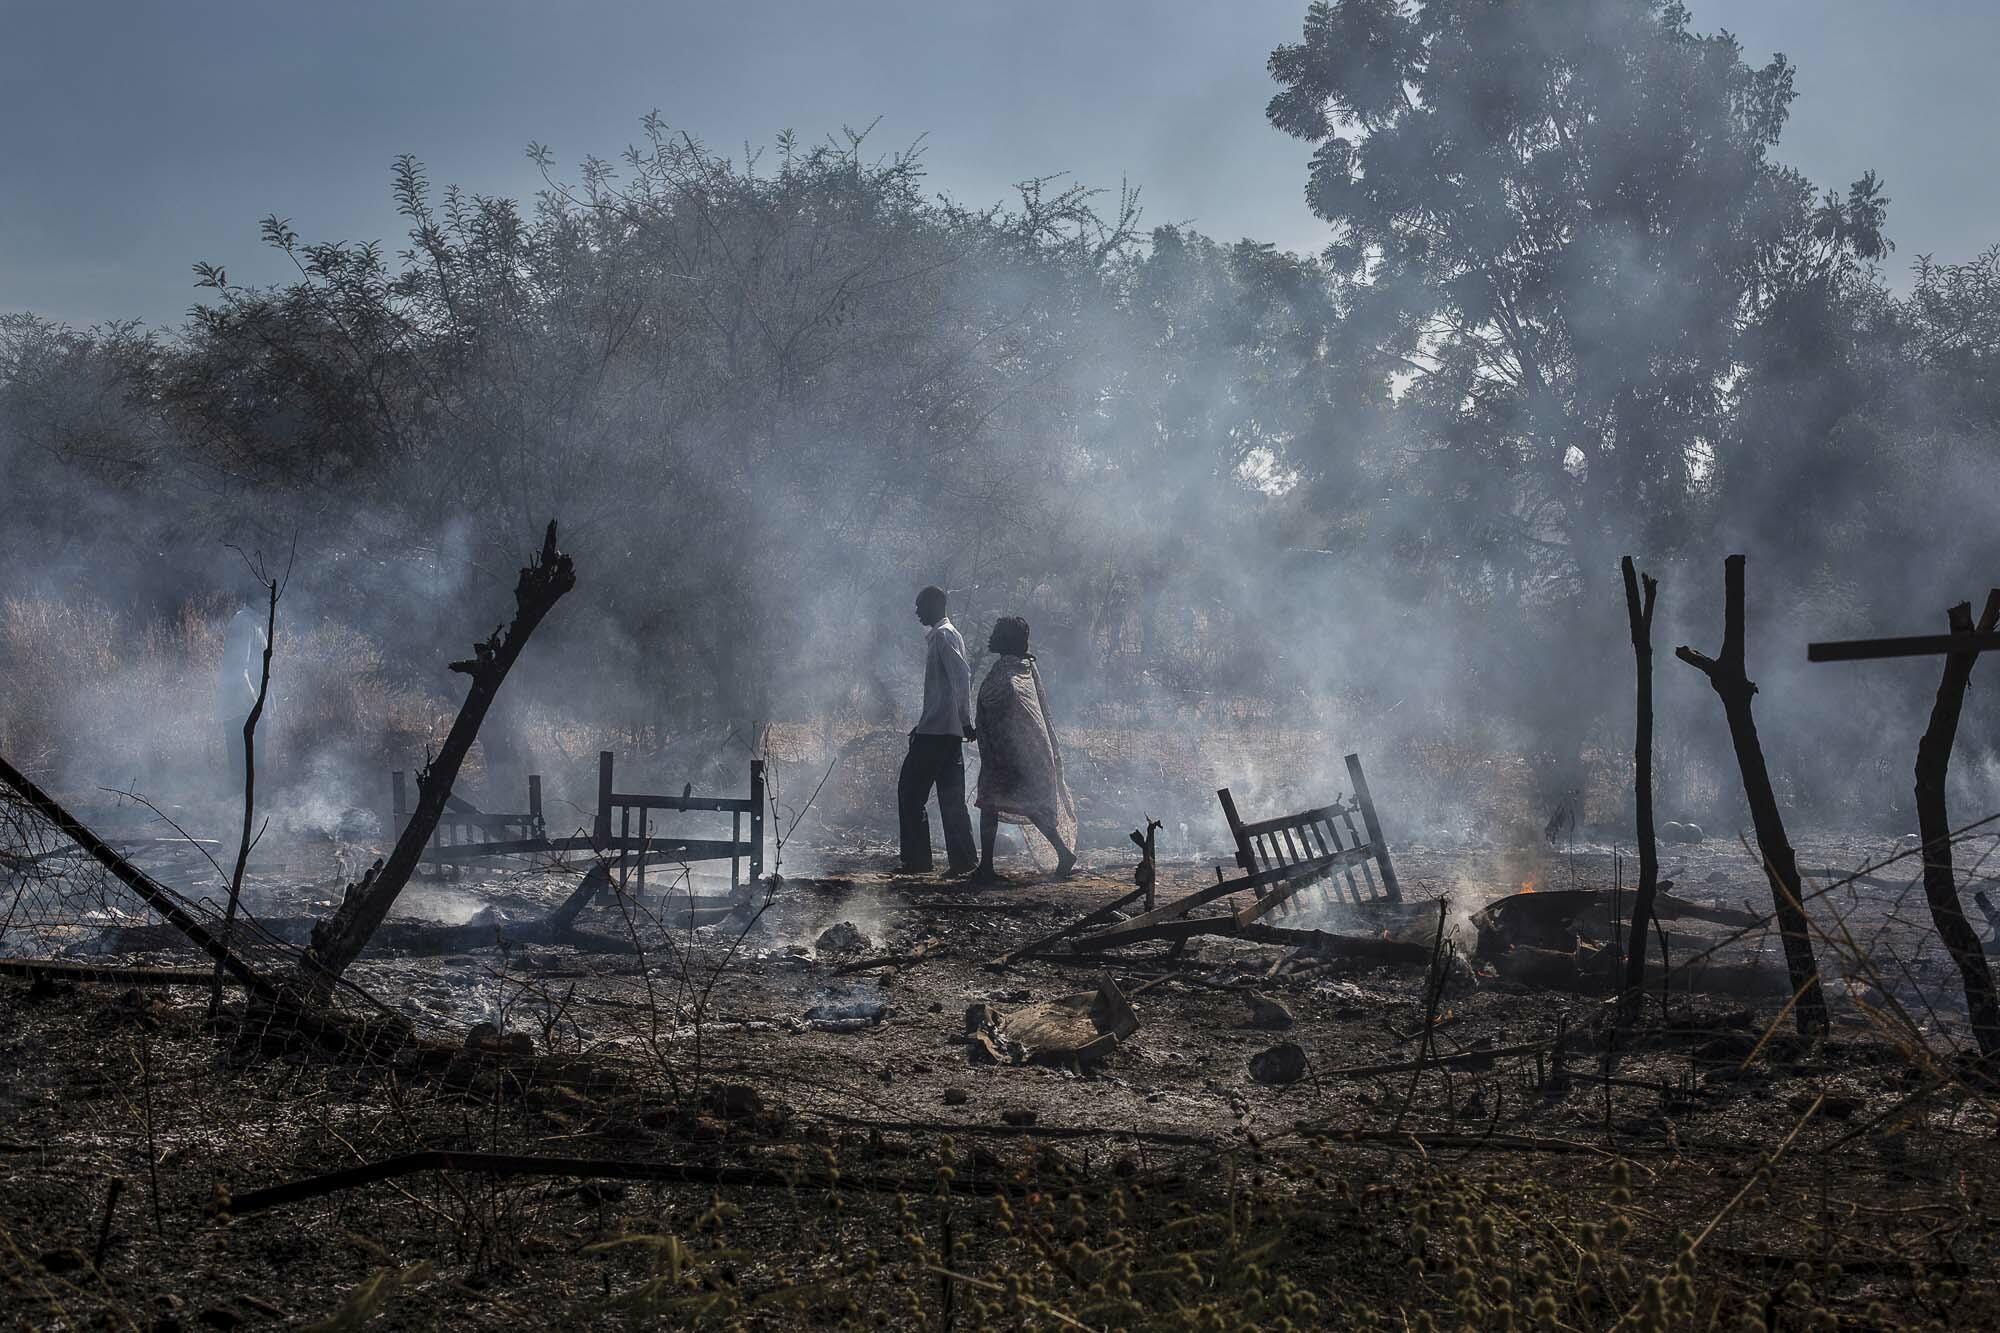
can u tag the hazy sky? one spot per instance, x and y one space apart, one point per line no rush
140 137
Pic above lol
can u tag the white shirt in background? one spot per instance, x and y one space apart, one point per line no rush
947 683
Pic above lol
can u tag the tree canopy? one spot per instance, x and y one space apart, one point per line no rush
1554 222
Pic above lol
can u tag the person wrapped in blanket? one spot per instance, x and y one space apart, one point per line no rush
1020 764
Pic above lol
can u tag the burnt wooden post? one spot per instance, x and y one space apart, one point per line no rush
645 823
1374 827
1148 870
1934 826
624 842
756 820
600 828
1245 857
535 824
1781 866
1639 614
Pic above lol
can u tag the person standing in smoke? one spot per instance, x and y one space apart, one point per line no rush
937 746
1020 764
236 679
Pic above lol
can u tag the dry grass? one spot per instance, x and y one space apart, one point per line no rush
46 647
96 697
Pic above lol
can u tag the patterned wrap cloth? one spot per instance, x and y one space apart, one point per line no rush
1020 764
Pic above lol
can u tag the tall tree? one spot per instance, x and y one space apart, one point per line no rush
1556 218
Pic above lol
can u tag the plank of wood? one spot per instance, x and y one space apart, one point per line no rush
1917 645
657 849
58 969
1158 930
1084 923
1275 899
1248 883
481 820
1376 842
724 804
1280 823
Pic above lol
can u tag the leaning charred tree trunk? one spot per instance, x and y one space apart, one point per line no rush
1781 864
1639 612
1933 823
338 940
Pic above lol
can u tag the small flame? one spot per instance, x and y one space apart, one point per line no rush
1528 885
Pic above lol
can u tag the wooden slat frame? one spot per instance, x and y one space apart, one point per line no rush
1168 913
466 833
1258 845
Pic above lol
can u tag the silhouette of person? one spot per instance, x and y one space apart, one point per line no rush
937 747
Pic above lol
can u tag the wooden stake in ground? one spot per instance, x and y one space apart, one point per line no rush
1781 864
339 939
1934 825
1639 612
1147 871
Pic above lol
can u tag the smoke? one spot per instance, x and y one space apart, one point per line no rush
1147 445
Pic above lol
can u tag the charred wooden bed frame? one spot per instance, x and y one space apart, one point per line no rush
1279 857
467 833
1311 840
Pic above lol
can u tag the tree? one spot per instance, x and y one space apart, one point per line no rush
1556 219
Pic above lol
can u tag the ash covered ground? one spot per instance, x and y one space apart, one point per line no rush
819 1034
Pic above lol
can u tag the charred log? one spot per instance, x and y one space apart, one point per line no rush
1559 918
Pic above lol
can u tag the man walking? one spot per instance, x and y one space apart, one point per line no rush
937 747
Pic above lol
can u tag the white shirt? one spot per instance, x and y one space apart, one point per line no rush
947 683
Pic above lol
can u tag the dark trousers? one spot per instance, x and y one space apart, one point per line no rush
934 761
